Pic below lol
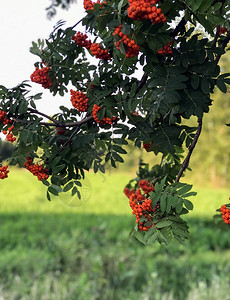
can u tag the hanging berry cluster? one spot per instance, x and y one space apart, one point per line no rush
105 120
225 214
146 186
95 49
60 131
3 118
141 205
81 40
89 4
222 30
145 9
41 76
4 172
79 100
146 146
6 121
166 50
9 136
132 49
98 52
36 169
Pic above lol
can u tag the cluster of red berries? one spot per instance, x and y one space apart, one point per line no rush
4 172
9 136
95 49
128 192
81 40
3 118
41 76
225 214
105 120
88 4
5 121
146 186
147 146
141 206
98 52
132 49
60 131
166 50
145 9
222 30
36 169
79 100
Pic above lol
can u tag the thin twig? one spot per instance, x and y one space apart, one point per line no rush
223 46
179 28
218 27
185 163
42 114
141 83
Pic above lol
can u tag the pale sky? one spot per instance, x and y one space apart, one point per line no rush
22 22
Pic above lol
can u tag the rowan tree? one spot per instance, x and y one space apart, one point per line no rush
176 46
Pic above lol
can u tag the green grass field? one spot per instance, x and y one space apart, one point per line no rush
63 249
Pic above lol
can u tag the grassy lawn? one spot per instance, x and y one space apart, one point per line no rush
67 250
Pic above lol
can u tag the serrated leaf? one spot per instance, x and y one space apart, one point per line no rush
164 223
68 187
179 207
186 188
139 236
59 168
48 196
149 233
221 85
45 182
188 204
152 238
163 202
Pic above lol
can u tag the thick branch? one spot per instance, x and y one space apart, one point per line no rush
185 163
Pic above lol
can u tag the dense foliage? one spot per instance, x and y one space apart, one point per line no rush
176 46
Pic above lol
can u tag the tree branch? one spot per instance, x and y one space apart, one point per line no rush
224 44
42 114
185 163
60 124
218 27
179 28
141 83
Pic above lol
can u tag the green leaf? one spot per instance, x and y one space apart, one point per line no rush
164 223
204 84
139 236
179 207
188 204
48 196
163 202
186 188
152 238
149 233
119 149
221 85
68 187
59 168
45 182
117 157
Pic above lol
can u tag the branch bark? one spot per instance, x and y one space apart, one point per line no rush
185 163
